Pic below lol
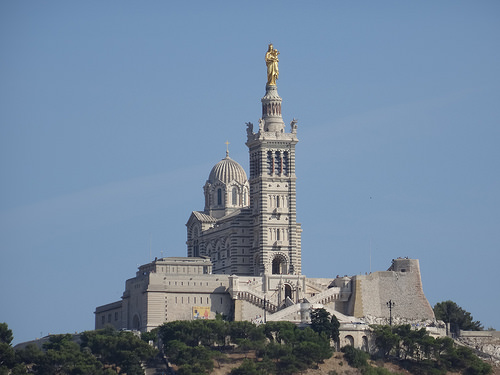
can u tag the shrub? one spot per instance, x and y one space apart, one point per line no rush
355 357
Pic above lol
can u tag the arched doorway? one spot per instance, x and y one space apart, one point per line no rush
349 340
136 323
364 345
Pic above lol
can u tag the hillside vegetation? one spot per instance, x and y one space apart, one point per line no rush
239 348
283 348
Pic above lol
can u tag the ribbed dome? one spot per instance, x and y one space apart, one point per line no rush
227 170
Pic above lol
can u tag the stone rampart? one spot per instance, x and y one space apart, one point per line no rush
401 285
485 343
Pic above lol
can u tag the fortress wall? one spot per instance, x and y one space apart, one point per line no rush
251 312
401 284
355 306
338 306
156 310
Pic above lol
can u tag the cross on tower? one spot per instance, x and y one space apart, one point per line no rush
227 148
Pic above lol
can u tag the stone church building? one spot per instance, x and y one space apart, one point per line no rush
244 253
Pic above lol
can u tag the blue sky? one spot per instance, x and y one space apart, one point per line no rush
113 113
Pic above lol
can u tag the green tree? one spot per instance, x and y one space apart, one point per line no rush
118 349
335 336
240 330
7 353
30 354
6 335
63 356
248 367
355 357
324 323
150 336
279 331
266 366
218 331
422 354
321 322
385 340
459 319
310 353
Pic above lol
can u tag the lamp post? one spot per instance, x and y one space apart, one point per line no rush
390 305
264 309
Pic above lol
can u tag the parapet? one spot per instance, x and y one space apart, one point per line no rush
178 266
404 265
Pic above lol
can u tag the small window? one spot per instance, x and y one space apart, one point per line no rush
103 319
116 315
235 196
219 197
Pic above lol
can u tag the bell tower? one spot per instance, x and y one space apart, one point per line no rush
276 244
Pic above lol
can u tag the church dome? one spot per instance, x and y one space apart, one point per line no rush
227 170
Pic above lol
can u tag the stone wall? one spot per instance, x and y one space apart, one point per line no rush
401 284
485 343
110 314
249 311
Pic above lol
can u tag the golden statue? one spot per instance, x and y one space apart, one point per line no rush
272 65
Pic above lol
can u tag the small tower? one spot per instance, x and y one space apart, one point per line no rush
276 245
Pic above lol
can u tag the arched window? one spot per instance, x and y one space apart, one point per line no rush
244 197
270 163
349 340
278 266
235 196
288 291
219 196
196 248
277 162
285 163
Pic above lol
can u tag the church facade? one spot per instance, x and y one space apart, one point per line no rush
244 250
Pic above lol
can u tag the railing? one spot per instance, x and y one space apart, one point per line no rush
257 300
293 309
330 295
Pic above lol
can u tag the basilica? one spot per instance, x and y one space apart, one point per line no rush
244 251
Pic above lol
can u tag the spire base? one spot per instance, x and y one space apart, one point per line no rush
271 110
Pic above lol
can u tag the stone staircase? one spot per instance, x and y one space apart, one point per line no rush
257 299
329 295
314 285
291 313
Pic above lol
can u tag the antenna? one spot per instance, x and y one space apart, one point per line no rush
370 255
370 234
150 256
